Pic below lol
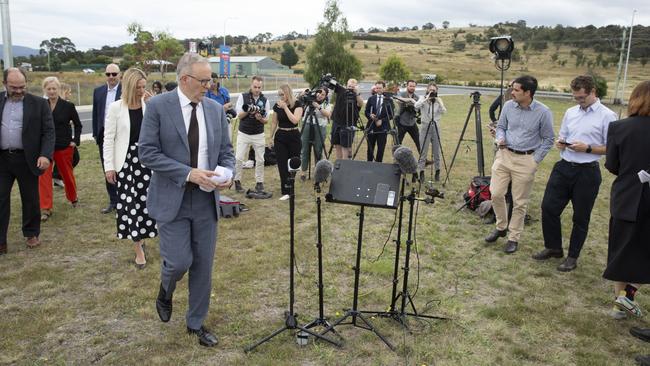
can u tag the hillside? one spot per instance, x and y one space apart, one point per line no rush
554 66
19 51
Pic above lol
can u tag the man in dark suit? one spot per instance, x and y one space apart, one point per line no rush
103 96
26 148
379 111
184 137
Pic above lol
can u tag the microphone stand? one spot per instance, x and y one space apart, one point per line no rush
321 319
290 321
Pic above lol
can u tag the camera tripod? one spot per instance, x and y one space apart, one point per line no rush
311 121
476 108
291 321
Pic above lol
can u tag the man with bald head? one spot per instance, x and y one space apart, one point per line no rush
103 96
26 148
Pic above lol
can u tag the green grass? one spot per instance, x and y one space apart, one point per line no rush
78 299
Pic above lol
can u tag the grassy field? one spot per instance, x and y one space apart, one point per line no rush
78 299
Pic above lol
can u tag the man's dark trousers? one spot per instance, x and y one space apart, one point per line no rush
13 166
579 184
111 189
376 138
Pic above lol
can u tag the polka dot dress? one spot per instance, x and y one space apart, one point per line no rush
133 221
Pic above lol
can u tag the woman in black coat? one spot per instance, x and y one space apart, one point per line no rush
628 156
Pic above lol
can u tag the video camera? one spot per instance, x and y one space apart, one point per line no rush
309 96
328 81
252 108
432 95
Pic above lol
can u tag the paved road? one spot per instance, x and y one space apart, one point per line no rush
86 116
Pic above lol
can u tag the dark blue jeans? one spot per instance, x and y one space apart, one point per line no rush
573 183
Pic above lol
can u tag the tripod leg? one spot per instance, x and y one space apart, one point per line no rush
319 336
265 339
460 139
364 138
374 330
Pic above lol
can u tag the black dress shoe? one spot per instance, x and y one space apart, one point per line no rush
511 247
164 305
206 338
108 209
548 253
641 333
495 234
642 360
568 265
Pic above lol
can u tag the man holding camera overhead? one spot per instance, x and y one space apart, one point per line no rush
345 115
252 110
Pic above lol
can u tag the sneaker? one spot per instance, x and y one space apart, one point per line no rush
58 183
623 303
259 187
238 187
284 198
617 313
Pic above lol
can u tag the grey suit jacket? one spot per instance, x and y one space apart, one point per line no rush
163 148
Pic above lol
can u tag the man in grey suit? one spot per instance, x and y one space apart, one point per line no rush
184 137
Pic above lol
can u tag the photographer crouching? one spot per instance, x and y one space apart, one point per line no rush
345 114
317 114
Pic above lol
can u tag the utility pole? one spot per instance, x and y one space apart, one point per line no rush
627 58
616 99
6 35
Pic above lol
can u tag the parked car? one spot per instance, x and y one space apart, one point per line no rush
88 71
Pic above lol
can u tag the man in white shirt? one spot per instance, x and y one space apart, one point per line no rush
576 177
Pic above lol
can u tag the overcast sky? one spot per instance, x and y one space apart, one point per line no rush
92 23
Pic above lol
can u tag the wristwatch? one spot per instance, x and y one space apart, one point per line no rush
588 151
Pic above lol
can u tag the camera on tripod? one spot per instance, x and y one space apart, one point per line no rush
476 96
253 108
309 96
433 95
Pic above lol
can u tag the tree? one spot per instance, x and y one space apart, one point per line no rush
428 26
143 47
57 50
445 24
327 53
288 57
166 48
394 70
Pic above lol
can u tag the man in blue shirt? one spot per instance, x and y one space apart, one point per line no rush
524 136
576 177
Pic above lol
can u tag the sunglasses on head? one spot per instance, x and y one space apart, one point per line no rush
113 74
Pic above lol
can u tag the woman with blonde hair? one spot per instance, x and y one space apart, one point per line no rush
122 165
63 113
628 157
285 133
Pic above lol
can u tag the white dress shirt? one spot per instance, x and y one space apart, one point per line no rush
588 125
111 94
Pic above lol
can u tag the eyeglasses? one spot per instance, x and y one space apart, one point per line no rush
204 82
113 74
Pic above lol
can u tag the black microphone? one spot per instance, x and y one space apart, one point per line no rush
322 172
405 159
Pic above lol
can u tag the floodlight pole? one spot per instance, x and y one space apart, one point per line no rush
6 35
616 99
627 58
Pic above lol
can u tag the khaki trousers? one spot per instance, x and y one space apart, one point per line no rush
520 169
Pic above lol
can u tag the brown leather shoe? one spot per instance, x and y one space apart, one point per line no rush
33 242
3 248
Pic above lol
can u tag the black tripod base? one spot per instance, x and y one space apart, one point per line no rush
290 323
355 314
402 316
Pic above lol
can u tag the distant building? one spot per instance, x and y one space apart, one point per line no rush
251 65
26 66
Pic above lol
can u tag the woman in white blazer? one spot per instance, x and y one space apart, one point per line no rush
122 166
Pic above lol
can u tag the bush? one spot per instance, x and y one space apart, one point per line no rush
601 85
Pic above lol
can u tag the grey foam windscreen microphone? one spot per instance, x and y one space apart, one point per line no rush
405 159
322 171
